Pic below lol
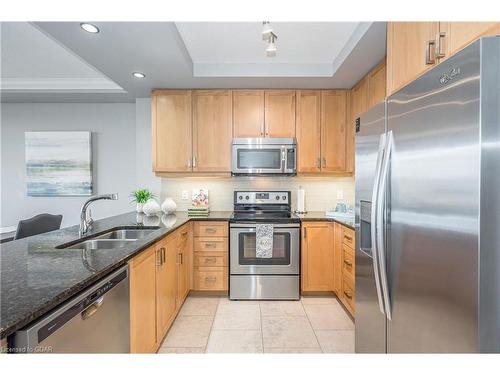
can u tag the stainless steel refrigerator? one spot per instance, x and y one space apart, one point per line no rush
428 211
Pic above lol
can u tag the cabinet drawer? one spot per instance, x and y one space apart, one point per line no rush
348 266
348 295
348 237
210 229
210 259
210 278
210 244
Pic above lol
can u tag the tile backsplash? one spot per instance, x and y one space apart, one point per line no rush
321 192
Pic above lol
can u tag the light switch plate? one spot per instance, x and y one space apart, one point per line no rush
185 195
340 194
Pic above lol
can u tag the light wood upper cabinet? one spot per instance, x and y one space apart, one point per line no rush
166 284
279 114
459 34
377 84
248 113
212 130
407 46
172 130
317 257
333 130
309 131
143 302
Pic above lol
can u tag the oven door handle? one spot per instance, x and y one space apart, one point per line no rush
252 225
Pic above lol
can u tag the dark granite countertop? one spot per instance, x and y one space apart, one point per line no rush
320 216
36 276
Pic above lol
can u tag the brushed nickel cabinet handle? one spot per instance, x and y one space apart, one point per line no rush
210 260
305 232
210 245
349 264
348 238
158 258
262 129
194 161
348 295
189 163
210 230
324 162
429 52
440 50
182 258
318 163
210 279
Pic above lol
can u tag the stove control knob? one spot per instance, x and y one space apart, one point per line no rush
240 197
247 197
277 197
284 197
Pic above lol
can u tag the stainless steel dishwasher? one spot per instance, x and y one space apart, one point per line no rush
95 321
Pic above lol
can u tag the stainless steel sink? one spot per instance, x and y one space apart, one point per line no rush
126 234
100 244
111 240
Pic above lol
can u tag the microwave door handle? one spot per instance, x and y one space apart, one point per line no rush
283 159
373 226
381 203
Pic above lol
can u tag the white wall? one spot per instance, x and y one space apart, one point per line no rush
113 127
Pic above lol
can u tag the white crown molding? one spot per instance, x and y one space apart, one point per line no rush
262 69
62 85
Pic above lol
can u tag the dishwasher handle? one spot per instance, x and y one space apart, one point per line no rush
92 309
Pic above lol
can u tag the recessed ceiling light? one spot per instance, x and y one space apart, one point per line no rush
138 74
88 27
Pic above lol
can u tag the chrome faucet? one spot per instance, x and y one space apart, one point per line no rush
86 220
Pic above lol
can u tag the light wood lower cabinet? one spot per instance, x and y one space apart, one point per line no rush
159 284
142 270
210 245
317 257
328 263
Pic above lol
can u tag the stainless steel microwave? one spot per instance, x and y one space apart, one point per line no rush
264 156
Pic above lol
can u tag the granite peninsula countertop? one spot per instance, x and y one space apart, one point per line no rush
321 216
36 276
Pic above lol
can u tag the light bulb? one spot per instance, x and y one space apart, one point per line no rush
88 27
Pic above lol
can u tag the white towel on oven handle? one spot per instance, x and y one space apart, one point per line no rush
264 234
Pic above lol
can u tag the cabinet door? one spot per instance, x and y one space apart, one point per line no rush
166 285
358 103
212 131
407 43
143 302
337 259
317 257
172 131
376 84
459 34
248 113
333 131
280 113
182 265
309 131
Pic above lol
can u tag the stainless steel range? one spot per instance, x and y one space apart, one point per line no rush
277 275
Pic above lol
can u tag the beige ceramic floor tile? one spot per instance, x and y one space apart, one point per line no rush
319 301
165 350
336 341
199 306
288 332
227 301
189 332
281 308
293 350
235 341
328 317
237 316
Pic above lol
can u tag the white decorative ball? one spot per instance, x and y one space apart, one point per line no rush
168 206
151 207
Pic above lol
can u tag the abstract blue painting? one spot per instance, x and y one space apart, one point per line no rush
58 163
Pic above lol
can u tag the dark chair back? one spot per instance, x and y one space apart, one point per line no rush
38 224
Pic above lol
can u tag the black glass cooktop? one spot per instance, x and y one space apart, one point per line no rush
270 216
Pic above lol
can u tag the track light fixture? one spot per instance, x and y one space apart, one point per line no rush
270 37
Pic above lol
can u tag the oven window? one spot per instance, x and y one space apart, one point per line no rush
259 159
247 249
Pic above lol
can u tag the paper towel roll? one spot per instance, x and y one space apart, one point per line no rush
301 200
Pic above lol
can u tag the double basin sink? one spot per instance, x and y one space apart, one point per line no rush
111 240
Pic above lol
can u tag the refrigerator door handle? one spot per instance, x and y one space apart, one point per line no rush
381 202
374 225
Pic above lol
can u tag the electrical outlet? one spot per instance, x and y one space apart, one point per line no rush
340 194
185 195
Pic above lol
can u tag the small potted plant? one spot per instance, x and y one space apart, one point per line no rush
140 197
